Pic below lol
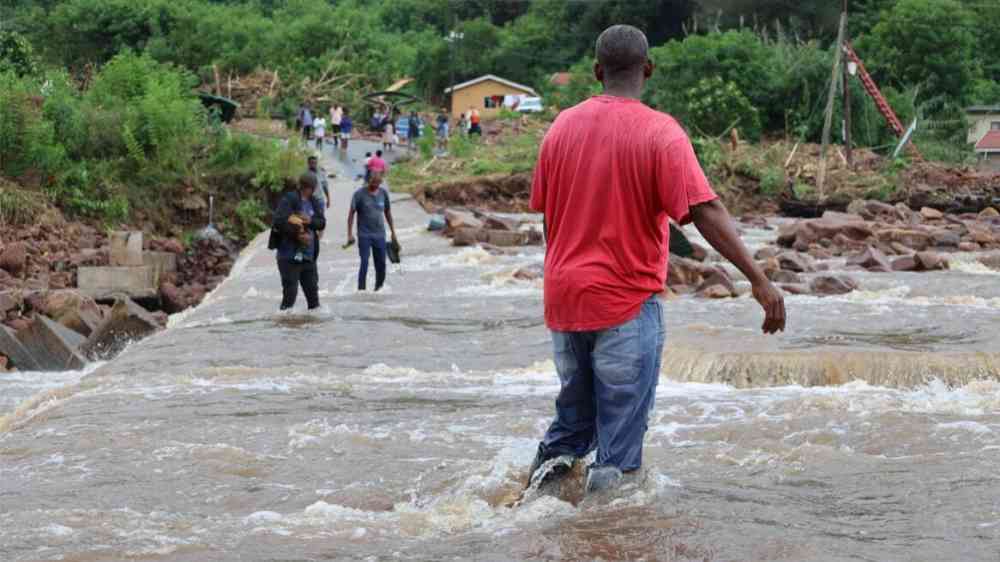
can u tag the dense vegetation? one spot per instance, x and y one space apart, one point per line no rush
97 104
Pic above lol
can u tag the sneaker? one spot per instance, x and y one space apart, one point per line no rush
601 478
546 468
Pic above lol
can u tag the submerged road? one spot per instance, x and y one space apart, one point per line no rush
399 426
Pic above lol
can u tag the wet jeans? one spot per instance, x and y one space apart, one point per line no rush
374 247
609 382
292 275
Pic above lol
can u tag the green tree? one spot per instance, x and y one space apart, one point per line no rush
16 54
924 42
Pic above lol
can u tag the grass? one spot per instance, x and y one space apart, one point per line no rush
506 153
20 206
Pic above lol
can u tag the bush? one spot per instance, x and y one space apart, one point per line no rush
251 214
772 181
715 107
16 54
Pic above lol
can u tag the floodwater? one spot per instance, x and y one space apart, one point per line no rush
399 426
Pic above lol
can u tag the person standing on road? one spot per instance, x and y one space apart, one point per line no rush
319 131
323 191
371 204
413 129
336 114
346 127
297 221
388 135
474 127
442 131
377 164
306 116
611 172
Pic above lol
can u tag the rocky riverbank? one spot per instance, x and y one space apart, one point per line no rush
39 267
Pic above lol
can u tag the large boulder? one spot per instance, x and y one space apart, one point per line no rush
9 300
530 272
826 285
991 260
715 291
783 276
127 322
905 263
870 210
717 278
53 346
496 222
171 298
944 238
502 238
456 219
465 237
74 311
912 238
14 258
799 263
930 261
871 260
801 234
12 347
683 272
931 214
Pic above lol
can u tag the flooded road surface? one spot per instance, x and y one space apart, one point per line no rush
399 426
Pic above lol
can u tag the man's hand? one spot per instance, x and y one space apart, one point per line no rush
773 303
350 239
327 202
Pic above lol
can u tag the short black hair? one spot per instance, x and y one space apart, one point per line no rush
378 153
622 48
308 180
313 157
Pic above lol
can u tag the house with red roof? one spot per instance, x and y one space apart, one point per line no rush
984 133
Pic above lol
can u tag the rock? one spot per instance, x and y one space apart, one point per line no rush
989 212
127 322
794 288
18 324
715 291
126 249
502 238
12 348
930 261
931 214
906 263
161 262
820 253
981 236
945 238
9 300
455 219
465 237
530 272
968 247
495 222
74 311
905 214
832 285
798 263
991 261
870 209
718 276
171 299
801 234
782 276
14 258
53 346
684 271
765 252
871 260
911 238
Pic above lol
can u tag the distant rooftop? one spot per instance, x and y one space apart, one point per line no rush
494 78
989 143
983 109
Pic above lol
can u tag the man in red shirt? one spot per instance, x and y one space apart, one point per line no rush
610 173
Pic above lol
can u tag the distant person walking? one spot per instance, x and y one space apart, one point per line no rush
370 204
610 173
296 222
474 127
323 191
346 127
442 131
336 114
319 131
378 165
463 125
413 129
388 135
306 117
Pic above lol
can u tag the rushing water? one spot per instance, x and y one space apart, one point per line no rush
399 425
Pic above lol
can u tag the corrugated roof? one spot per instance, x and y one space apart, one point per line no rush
989 143
493 77
983 109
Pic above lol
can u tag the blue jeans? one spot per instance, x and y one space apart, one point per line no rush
375 247
608 389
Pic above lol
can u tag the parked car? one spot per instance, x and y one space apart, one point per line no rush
530 105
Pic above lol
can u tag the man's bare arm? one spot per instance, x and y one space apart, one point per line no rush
713 221
350 225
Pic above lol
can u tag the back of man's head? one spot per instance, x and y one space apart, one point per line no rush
378 153
622 52
307 182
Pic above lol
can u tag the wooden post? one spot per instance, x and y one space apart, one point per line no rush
828 122
848 148
218 83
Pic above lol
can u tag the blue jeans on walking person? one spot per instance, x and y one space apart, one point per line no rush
608 389
370 246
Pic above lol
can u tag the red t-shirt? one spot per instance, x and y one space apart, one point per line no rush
610 172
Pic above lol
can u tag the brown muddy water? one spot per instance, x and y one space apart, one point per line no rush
399 426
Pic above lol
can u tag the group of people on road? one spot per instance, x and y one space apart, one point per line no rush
300 221
314 126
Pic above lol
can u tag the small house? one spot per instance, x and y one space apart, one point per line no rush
982 120
988 149
487 94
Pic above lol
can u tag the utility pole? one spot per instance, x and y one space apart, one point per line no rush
848 148
828 122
